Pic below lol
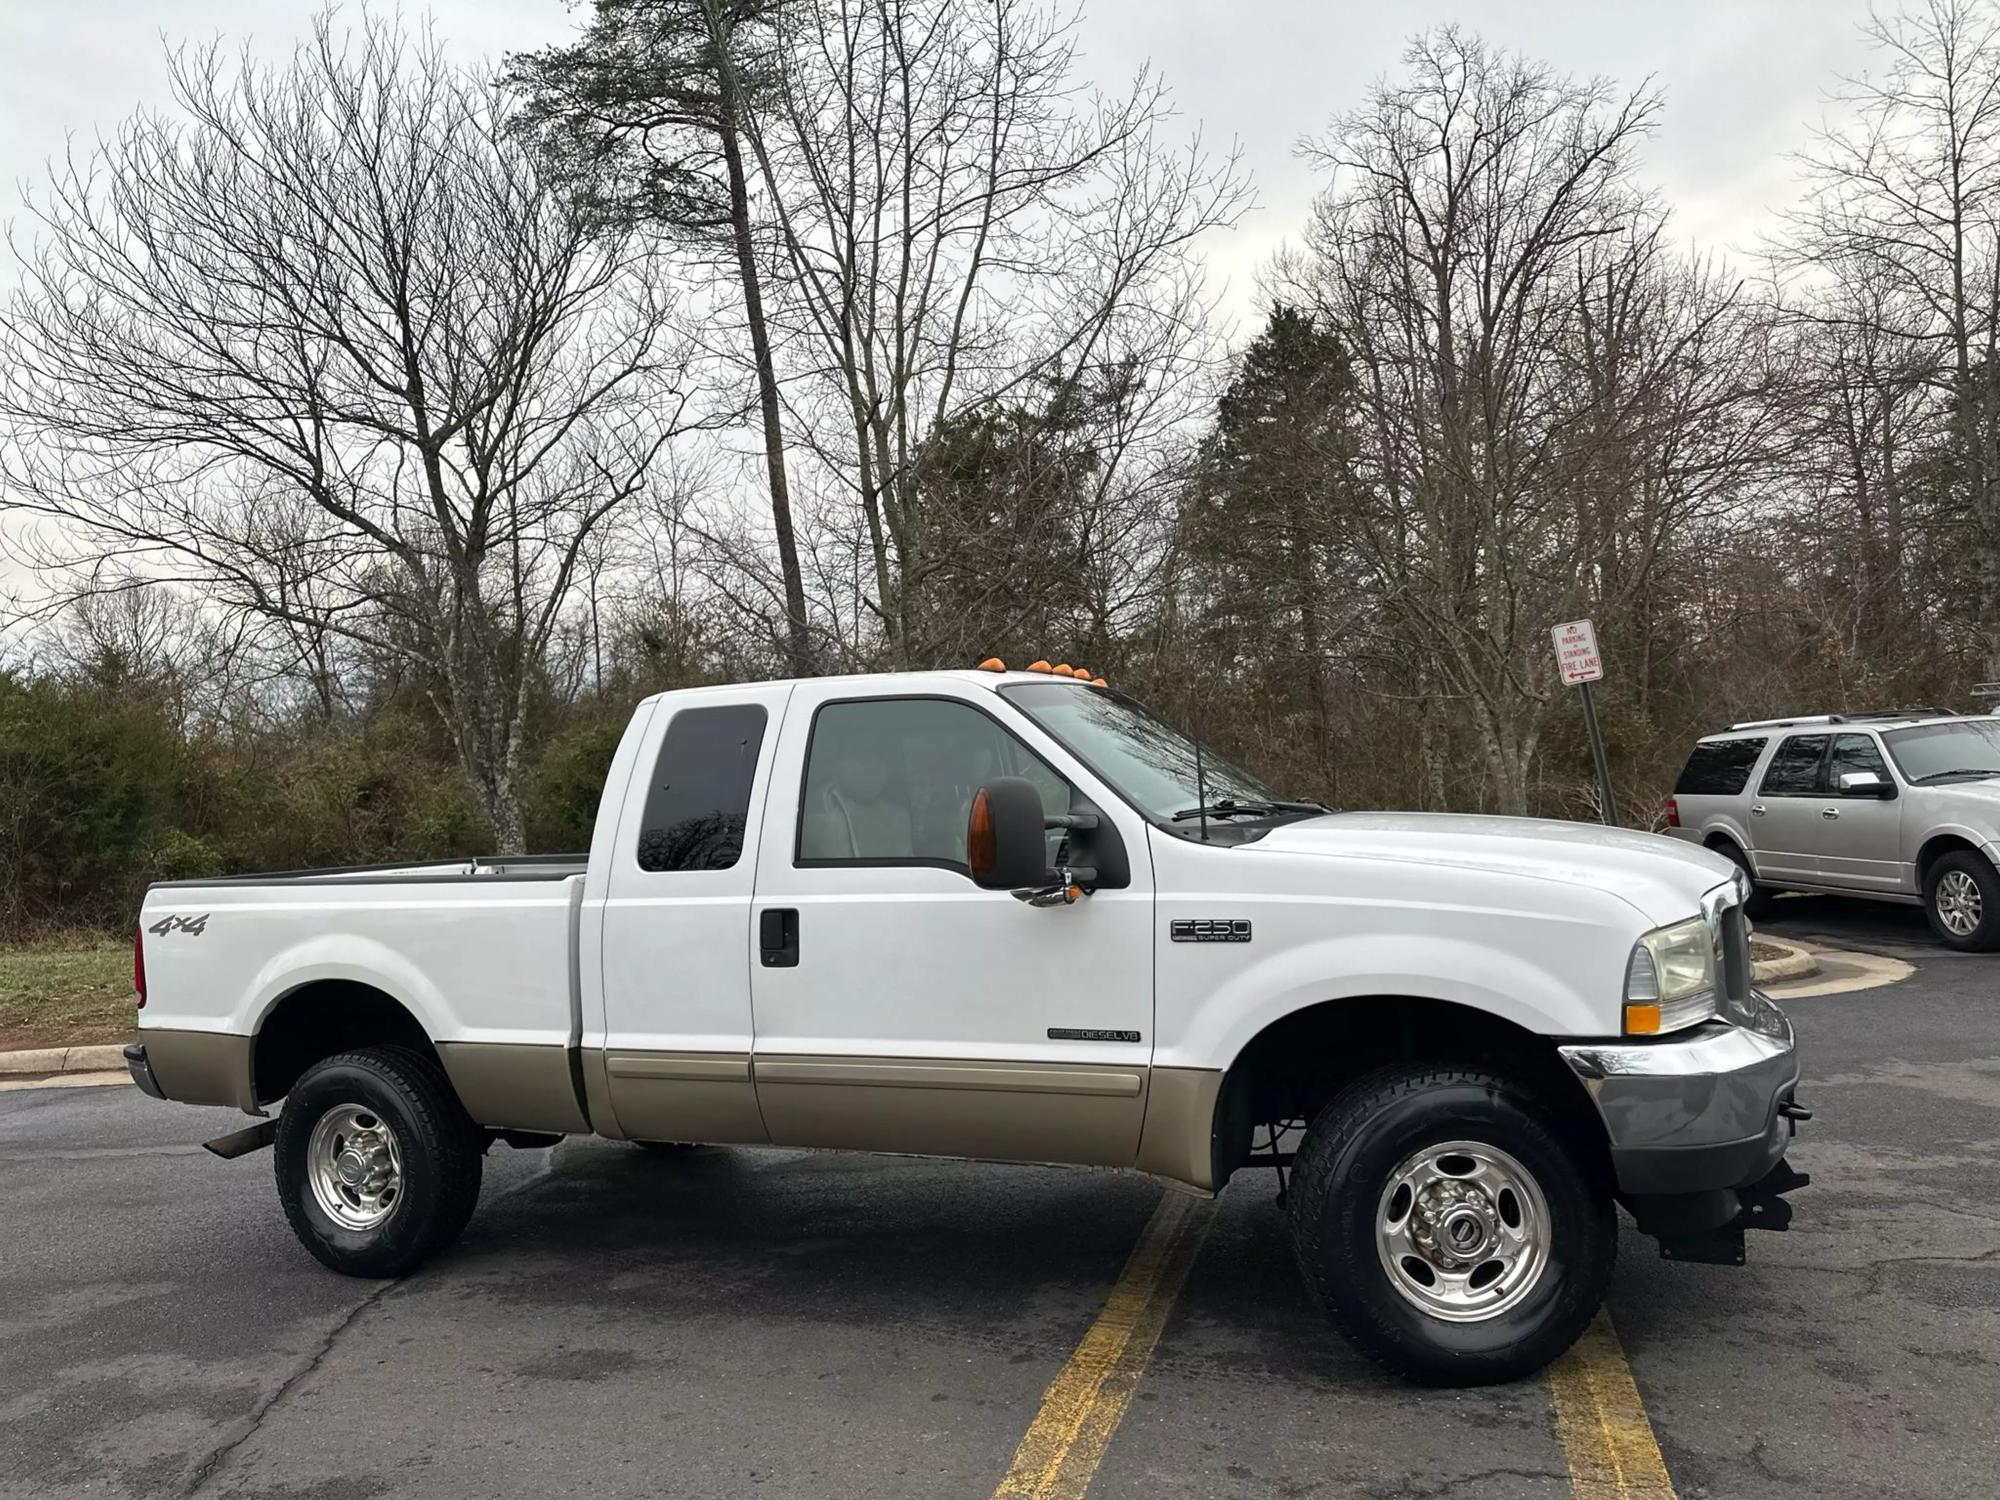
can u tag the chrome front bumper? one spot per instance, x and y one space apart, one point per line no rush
1703 1111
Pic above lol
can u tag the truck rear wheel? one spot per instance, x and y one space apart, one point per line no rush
378 1166
1444 1225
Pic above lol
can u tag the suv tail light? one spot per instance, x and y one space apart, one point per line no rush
1673 813
139 963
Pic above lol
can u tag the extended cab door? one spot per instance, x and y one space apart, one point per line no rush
673 1059
899 1007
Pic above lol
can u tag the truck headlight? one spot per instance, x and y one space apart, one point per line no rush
1670 980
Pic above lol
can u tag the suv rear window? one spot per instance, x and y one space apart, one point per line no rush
1719 768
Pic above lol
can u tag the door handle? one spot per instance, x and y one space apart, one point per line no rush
778 937
1756 809
1829 812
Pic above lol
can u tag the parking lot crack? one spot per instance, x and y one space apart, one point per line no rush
206 1470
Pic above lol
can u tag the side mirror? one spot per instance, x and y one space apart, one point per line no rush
1006 841
1863 784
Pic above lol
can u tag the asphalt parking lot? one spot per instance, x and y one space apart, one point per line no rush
800 1324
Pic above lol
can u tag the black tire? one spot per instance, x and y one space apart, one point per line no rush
1343 1170
441 1154
1984 937
1762 898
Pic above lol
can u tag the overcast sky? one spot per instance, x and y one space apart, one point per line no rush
1744 78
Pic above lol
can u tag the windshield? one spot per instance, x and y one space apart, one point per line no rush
1151 763
1939 752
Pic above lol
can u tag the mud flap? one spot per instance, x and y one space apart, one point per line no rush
1762 1205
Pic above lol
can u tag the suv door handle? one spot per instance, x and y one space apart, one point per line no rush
778 937
1756 809
1829 812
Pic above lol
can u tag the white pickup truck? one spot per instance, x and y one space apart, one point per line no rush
1013 916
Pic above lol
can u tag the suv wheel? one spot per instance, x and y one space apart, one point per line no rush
1962 899
1440 1218
378 1165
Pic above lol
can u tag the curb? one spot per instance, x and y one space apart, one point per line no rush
1798 963
1843 971
107 1058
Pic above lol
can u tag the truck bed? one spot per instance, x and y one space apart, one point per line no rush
480 950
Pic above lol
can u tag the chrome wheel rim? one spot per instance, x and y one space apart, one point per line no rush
355 1166
1958 903
1463 1231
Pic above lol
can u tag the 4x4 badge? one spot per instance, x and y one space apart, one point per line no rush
1210 930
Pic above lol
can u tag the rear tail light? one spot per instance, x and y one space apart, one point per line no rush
139 963
1673 813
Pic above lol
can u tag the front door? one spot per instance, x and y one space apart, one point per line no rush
1784 813
1858 840
899 1007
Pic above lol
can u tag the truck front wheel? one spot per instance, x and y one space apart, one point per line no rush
1441 1220
378 1166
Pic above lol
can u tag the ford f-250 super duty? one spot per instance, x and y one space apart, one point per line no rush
1013 916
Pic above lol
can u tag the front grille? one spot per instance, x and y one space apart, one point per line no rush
1729 930
1735 955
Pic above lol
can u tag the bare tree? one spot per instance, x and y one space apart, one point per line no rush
1449 257
328 345
1904 203
960 231
649 109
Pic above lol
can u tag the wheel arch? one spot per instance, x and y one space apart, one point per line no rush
320 1017
1939 844
1298 1061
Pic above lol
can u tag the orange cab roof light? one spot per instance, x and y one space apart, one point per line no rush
1063 669
1040 666
993 664
1099 682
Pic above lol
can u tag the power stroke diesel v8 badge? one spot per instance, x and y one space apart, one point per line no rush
1210 930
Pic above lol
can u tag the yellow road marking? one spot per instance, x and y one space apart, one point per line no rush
1605 1434
1085 1402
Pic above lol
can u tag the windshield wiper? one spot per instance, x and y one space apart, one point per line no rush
1938 775
1231 807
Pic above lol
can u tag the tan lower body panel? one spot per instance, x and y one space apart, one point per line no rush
1079 1113
202 1067
1179 1139
678 1096
514 1085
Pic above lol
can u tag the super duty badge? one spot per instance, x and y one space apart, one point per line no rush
1210 930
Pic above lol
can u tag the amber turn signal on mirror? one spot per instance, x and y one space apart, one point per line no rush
980 852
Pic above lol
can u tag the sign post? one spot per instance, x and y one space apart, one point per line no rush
1580 665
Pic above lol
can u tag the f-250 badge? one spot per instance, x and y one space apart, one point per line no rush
1210 930
192 926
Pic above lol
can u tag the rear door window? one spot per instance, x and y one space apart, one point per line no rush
698 803
1794 768
1719 768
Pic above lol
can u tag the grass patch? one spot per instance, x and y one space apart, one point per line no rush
65 991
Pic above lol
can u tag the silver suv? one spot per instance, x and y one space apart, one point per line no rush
1902 806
